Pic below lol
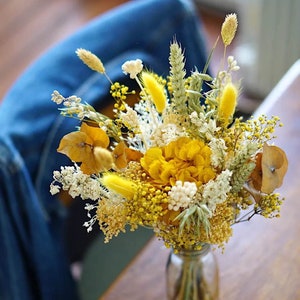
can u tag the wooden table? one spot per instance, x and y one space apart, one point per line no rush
262 259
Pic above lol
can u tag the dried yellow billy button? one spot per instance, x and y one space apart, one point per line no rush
227 103
155 90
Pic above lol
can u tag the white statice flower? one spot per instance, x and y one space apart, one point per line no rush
207 128
181 195
218 152
215 191
132 67
165 134
130 118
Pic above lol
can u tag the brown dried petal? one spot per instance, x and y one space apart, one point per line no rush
274 167
256 176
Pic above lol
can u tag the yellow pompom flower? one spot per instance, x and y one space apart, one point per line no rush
120 185
227 103
184 159
155 90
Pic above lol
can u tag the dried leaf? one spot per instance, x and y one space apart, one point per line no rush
133 155
120 156
256 176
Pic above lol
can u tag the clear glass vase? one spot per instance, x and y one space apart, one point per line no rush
192 275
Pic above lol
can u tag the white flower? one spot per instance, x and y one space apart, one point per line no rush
54 189
148 122
57 97
181 195
215 191
218 148
206 128
232 64
132 67
165 134
130 118
72 179
89 224
89 207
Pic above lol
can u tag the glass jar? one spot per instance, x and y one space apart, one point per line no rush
192 275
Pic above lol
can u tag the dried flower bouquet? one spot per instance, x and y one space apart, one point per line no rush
178 161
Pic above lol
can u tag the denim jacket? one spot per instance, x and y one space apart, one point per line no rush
33 262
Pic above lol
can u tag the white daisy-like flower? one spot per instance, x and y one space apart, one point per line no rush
132 67
181 195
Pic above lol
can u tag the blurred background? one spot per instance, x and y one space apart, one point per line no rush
267 44
28 28
268 41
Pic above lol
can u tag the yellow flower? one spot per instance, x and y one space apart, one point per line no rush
184 159
155 90
91 60
227 103
88 146
120 185
220 231
104 157
229 28
111 216
193 185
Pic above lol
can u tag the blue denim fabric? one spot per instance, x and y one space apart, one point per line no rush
33 264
